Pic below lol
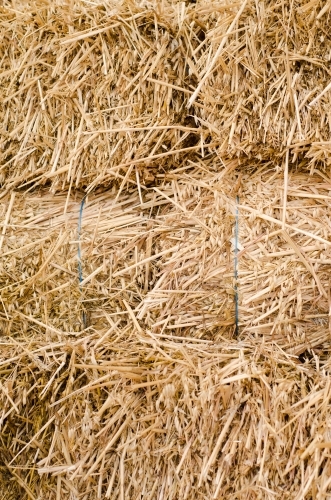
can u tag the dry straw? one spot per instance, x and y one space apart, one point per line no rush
156 397
122 373
92 92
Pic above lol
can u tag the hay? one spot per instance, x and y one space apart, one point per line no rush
94 93
142 416
162 169
155 396
131 253
169 256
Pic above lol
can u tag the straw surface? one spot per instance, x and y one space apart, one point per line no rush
122 414
94 92
156 397
135 137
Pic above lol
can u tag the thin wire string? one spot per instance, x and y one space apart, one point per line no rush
236 299
80 265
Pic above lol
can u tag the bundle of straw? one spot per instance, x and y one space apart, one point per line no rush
119 413
285 259
93 94
154 395
96 93
164 270
166 258
111 255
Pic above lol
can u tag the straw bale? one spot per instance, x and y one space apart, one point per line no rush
284 262
158 258
114 414
136 138
94 92
155 396
166 258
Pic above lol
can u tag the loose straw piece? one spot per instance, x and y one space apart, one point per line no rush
317 98
4 227
80 267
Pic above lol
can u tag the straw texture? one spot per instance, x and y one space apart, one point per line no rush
155 396
165 250
143 416
94 92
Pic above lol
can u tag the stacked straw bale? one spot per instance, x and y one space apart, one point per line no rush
118 414
155 396
169 257
160 162
93 93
